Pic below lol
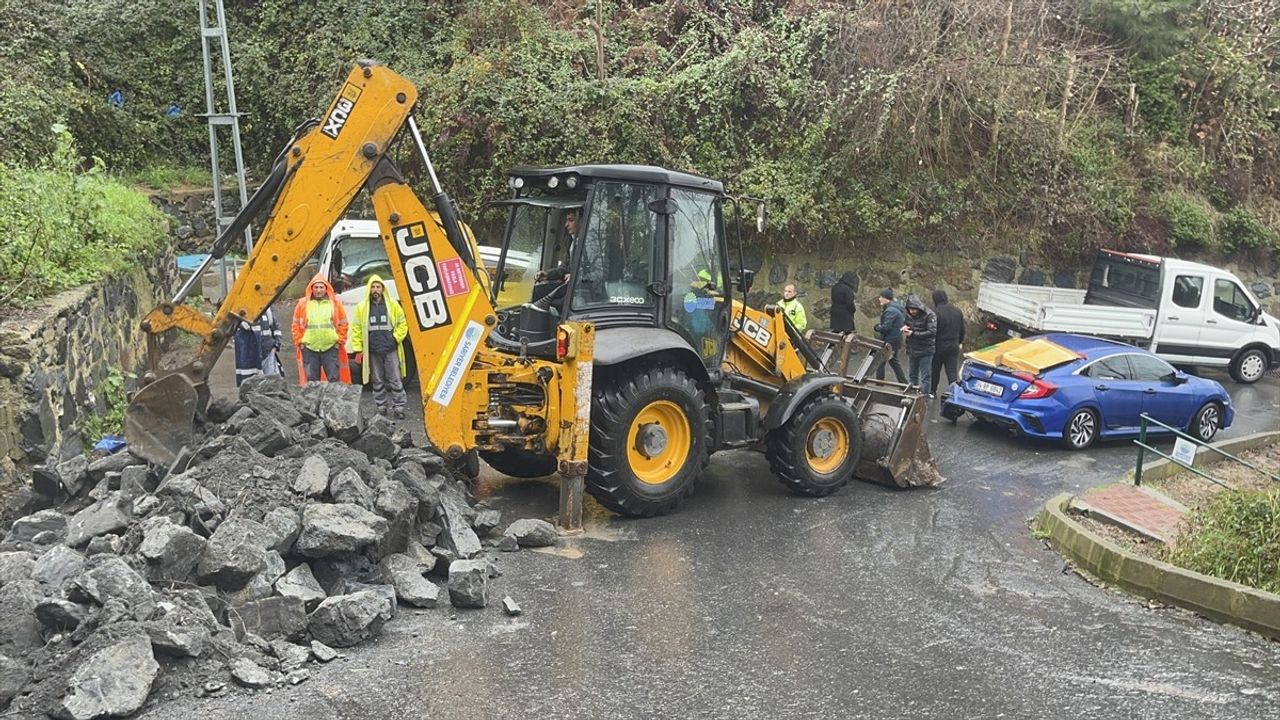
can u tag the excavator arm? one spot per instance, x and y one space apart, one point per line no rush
311 185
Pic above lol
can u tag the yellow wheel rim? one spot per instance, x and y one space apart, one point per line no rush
659 442
827 446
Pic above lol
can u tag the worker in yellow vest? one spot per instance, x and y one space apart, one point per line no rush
792 308
320 334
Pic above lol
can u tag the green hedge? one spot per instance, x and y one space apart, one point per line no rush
62 225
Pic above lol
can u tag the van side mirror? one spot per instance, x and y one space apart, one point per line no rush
744 280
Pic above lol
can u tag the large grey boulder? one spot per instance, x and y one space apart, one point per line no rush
348 487
113 682
13 675
25 529
74 474
110 578
531 532
469 583
312 478
340 529
376 445
268 436
406 576
188 495
301 583
346 620
234 554
282 410
171 551
262 585
458 535
19 629
109 515
283 526
250 674
57 614
56 566
270 618
16 566
340 410
400 508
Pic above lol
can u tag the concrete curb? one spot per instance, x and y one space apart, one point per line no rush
1223 601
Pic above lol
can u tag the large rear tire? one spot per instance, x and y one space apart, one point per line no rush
815 452
650 439
1249 366
520 463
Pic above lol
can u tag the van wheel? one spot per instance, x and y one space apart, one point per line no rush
1081 430
1207 422
1249 366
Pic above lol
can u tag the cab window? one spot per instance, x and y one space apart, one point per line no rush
1187 290
1229 301
616 260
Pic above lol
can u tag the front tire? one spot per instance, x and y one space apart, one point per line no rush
650 439
815 452
1249 366
1081 429
1207 422
952 412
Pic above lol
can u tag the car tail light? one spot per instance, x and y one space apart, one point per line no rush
1036 388
992 326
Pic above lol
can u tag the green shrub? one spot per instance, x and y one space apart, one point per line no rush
1236 537
1240 229
112 400
1190 223
61 226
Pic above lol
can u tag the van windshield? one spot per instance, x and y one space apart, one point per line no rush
356 258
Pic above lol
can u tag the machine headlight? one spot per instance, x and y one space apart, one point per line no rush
516 183
553 182
571 182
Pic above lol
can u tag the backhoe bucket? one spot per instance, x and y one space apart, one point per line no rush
894 449
160 419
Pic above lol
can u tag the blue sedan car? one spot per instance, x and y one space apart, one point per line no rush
1076 389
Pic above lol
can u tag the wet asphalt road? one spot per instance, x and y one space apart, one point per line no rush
752 603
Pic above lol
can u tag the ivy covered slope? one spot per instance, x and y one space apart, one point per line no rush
1057 125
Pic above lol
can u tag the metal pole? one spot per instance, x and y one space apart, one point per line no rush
422 149
235 120
1142 442
210 110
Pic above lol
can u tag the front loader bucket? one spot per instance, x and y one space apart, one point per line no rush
160 419
894 449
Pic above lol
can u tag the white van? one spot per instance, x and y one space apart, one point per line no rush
1187 313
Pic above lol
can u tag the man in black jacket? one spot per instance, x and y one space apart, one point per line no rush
842 303
950 340
920 331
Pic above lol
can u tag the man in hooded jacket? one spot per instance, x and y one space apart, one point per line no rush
842 303
320 334
950 340
377 339
921 330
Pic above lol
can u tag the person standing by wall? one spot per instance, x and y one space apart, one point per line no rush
921 331
792 308
950 341
889 330
377 339
842 303
320 334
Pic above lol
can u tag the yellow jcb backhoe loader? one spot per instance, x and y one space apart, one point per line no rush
603 343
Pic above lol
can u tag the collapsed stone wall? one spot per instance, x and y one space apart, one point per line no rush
53 362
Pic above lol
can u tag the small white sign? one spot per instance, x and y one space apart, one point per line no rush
1184 452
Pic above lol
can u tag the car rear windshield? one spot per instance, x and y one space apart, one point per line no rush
1124 281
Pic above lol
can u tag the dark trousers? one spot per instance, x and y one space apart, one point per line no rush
313 362
384 377
893 362
918 367
948 359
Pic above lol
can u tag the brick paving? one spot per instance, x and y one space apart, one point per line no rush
1142 510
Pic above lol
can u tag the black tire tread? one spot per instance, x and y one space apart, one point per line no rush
520 463
781 450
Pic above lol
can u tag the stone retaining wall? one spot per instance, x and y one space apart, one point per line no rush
54 360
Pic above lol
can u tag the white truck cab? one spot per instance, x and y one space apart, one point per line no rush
1187 313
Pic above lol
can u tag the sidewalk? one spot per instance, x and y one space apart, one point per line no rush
1141 510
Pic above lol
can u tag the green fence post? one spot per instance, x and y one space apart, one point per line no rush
1142 441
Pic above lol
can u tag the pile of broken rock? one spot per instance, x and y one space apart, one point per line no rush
294 527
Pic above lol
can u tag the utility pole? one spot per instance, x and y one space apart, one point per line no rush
218 117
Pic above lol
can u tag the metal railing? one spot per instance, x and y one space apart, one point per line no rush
1143 448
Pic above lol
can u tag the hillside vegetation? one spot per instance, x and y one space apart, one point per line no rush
1051 125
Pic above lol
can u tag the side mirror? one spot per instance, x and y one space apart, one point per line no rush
760 218
1177 377
745 278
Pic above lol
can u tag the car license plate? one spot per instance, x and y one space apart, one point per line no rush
988 388
1013 333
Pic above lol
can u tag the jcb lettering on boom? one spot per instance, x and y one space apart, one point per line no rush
414 250
337 118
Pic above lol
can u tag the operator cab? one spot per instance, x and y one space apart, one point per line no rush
619 245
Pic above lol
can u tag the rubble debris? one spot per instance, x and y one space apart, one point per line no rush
510 607
347 620
468 584
114 682
532 533
289 527
323 653
508 543
250 674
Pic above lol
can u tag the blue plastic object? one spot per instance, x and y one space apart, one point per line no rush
110 444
